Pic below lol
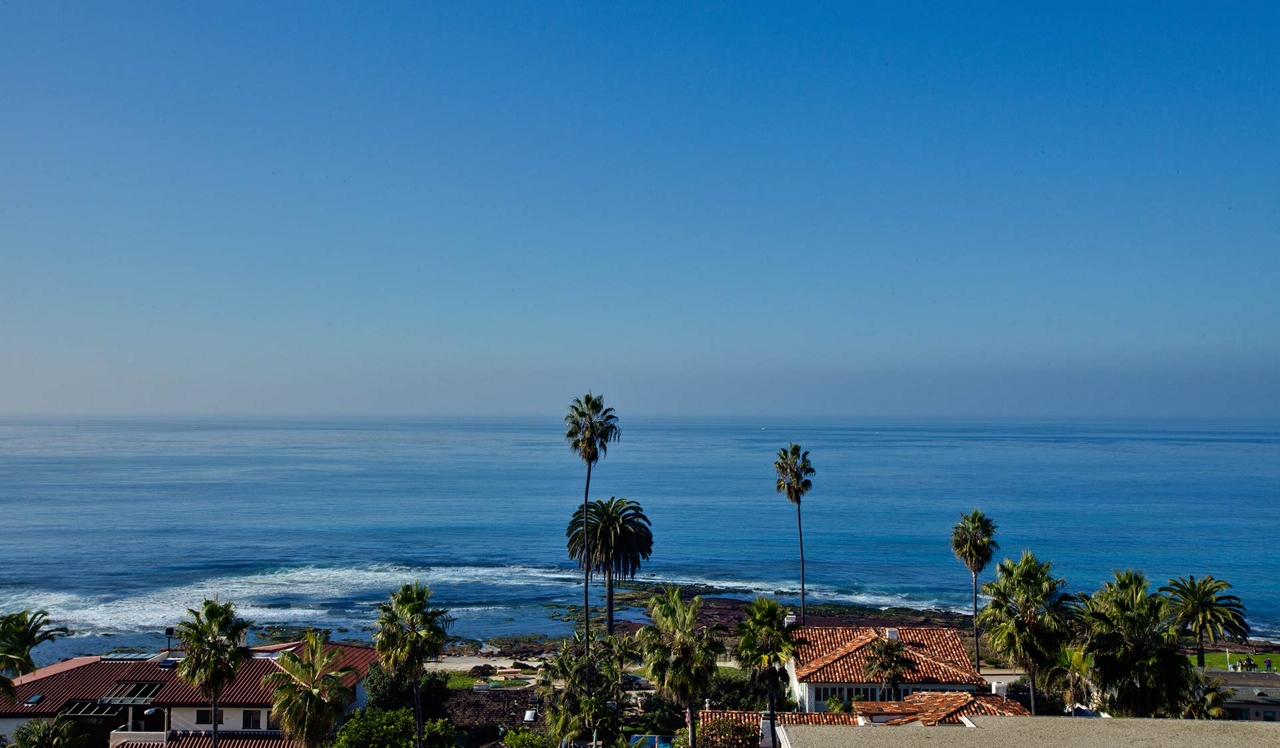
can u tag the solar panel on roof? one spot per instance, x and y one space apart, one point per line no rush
126 656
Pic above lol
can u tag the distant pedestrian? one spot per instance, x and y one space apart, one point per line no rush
1267 663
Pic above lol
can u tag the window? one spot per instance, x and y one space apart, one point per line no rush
202 717
1268 716
252 720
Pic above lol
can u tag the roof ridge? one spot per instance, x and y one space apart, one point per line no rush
864 637
49 671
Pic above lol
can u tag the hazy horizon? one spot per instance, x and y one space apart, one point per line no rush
711 210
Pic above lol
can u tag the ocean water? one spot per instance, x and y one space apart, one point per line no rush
117 526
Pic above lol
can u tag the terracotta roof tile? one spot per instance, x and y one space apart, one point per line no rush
501 706
227 739
838 654
927 708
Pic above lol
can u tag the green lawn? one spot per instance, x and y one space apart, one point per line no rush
1219 659
459 680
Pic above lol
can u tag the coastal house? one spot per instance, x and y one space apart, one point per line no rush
128 699
1256 697
832 661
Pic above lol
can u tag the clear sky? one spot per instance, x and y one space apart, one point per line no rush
809 209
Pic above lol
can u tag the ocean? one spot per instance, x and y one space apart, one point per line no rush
117 526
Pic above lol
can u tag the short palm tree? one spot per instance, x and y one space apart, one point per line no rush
1202 611
59 732
618 535
1207 698
20 633
793 468
307 693
680 653
589 427
765 643
1029 615
213 640
887 664
1076 672
973 542
1130 634
410 633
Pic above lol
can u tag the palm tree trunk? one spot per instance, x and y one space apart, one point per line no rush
773 712
1200 651
800 531
693 724
586 575
417 708
1031 678
608 600
977 656
213 718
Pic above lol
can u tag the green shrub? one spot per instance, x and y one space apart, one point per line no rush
387 692
378 728
724 733
524 738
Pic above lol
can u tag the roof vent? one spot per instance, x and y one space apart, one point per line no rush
530 715
891 634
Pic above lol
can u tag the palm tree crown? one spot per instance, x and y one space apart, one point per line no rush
22 632
887 664
1135 648
618 535
680 653
213 638
307 693
793 469
1029 615
1204 612
59 732
408 634
589 427
973 542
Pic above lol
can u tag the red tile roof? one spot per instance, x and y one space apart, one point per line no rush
927 708
225 740
88 680
838 654
91 678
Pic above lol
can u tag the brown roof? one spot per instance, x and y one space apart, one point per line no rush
928 708
91 678
501 706
839 654
57 687
225 740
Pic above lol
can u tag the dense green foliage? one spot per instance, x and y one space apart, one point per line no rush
22 632
794 468
724 733
522 738
390 692
582 697
378 728
59 732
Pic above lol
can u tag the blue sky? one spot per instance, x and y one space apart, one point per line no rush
694 208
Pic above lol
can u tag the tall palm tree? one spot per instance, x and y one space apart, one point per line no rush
765 643
22 632
617 532
1131 635
59 732
307 693
589 427
410 633
1204 612
887 664
680 653
213 638
1029 615
793 468
973 542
